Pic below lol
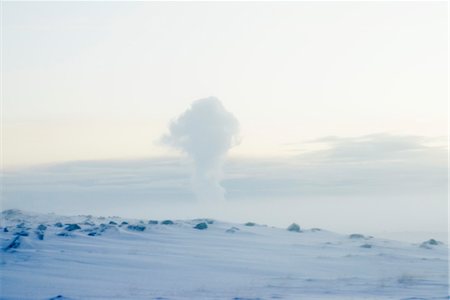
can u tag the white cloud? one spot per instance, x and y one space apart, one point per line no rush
205 132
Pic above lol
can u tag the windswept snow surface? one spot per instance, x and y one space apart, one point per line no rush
223 261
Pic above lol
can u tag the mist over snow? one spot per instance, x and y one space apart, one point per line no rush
378 182
205 132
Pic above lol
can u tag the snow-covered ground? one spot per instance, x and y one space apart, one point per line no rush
105 259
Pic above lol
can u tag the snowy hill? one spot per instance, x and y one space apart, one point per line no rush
85 257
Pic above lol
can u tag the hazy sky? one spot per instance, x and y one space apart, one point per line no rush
342 108
102 80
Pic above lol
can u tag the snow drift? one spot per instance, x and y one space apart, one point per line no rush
114 258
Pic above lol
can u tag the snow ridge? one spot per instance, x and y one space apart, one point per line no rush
46 256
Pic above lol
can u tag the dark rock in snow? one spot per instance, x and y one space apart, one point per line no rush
41 227
40 235
356 236
294 227
22 233
103 227
72 227
250 224
112 223
167 222
123 223
5 229
89 229
93 233
232 230
201 226
15 243
58 224
88 223
63 234
430 243
21 225
152 222
136 227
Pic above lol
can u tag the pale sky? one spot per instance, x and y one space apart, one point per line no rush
102 80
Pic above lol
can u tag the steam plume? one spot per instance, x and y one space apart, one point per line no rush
205 132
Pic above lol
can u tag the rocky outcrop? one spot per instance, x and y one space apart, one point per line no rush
294 227
356 236
430 244
72 227
136 227
201 226
14 244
